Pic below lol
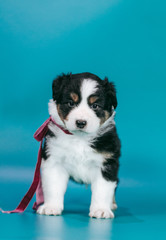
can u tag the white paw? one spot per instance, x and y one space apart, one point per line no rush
46 209
101 213
114 206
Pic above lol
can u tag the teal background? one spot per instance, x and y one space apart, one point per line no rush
121 39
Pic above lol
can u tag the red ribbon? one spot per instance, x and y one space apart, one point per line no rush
36 183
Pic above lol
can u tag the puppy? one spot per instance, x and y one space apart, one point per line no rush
84 105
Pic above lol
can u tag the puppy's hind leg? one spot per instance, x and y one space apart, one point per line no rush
54 183
114 204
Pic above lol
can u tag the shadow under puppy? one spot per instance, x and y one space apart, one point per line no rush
84 105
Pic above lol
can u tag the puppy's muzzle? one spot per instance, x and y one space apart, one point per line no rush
81 123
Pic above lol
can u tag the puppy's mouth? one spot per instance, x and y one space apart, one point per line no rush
79 132
77 126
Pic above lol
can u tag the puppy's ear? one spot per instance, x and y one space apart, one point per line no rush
58 85
110 93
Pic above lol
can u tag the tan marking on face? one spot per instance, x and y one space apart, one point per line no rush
107 115
60 113
74 97
93 99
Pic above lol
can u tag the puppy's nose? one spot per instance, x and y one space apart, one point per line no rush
81 123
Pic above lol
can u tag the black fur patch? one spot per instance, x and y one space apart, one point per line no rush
45 153
109 143
62 88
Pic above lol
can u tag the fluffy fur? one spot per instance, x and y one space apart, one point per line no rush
83 104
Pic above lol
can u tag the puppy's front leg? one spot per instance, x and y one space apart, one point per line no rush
102 198
54 183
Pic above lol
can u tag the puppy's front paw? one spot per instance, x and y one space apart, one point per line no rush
101 213
46 209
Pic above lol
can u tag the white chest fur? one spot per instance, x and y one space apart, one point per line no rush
75 155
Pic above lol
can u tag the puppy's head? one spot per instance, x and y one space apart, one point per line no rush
83 101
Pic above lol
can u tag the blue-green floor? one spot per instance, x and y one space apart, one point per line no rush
141 213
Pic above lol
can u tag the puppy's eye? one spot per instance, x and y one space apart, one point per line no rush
94 106
71 104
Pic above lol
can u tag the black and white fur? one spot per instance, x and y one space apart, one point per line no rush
84 105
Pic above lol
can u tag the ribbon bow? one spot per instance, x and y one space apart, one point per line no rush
36 183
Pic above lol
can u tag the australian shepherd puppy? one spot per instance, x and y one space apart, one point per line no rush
84 105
